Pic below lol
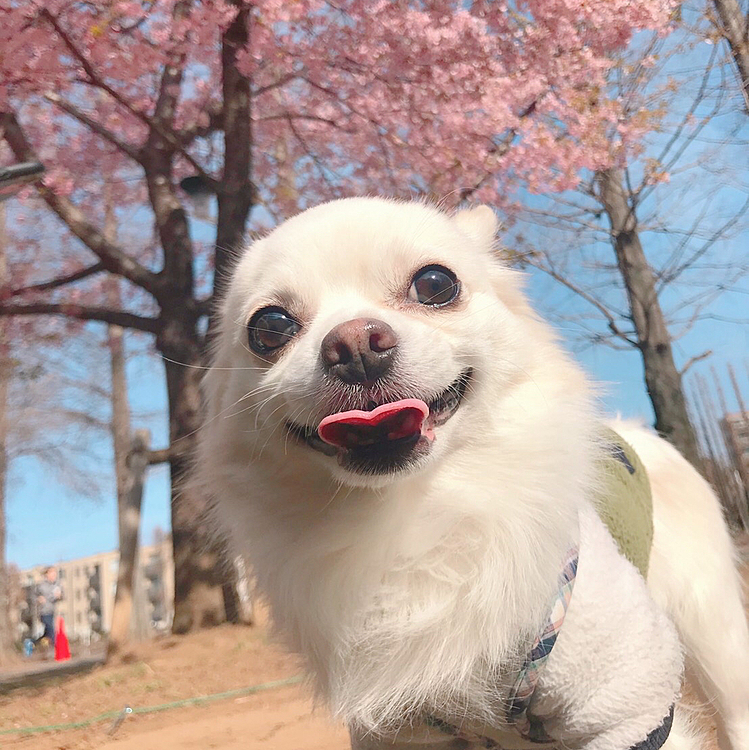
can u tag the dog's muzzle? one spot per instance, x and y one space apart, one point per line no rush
384 438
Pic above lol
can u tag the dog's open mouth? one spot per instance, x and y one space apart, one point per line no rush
387 437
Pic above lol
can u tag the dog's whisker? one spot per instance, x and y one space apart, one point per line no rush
256 406
209 367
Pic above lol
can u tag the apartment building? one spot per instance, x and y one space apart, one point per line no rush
89 585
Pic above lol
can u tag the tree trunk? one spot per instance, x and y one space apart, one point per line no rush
199 590
128 506
198 572
733 27
662 379
235 198
6 637
128 500
235 195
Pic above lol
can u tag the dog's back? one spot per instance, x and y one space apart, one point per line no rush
693 576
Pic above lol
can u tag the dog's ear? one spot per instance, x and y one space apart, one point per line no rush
479 222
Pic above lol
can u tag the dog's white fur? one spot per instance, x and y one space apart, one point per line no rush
421 591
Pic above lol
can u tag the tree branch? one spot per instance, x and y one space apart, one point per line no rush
497 152
276 84
693 360
613 327
311 118
93 76
155 123
205 306
235 193
215 122
159 456
58 282
165 109
111 256
91 124
85 312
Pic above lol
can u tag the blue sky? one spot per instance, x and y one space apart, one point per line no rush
48 522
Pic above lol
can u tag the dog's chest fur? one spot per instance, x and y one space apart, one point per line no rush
611 678
410 603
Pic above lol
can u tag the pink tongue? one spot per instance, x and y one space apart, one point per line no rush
353 429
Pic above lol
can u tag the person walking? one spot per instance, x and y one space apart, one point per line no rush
48 594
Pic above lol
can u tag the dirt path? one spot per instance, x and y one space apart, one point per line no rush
174 670
281 722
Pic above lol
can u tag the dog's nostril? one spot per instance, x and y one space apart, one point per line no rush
382 340
341 354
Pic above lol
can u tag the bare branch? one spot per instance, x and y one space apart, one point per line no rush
709 242
611 320
58 282
85 312
734 28
111 256
693 360
160 456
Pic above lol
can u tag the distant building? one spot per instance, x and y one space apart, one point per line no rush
89 585
736 432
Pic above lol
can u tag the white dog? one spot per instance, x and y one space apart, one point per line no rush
411 463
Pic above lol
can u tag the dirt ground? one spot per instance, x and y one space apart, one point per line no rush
169 670
173 669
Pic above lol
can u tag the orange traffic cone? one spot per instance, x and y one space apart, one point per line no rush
62 649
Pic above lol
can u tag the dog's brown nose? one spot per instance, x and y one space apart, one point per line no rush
359 351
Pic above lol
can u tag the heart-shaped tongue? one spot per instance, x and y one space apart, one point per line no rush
356 429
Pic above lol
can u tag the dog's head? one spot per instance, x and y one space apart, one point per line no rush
359 335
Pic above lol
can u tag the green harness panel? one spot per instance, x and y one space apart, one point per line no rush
625 503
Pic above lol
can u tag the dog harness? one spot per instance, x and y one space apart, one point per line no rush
625 506
624 501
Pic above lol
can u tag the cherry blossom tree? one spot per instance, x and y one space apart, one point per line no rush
279 104
474 101
502 97
671 211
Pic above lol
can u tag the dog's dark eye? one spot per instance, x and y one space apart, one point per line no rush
434 285
270 329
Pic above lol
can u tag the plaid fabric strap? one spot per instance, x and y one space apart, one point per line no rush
527 725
